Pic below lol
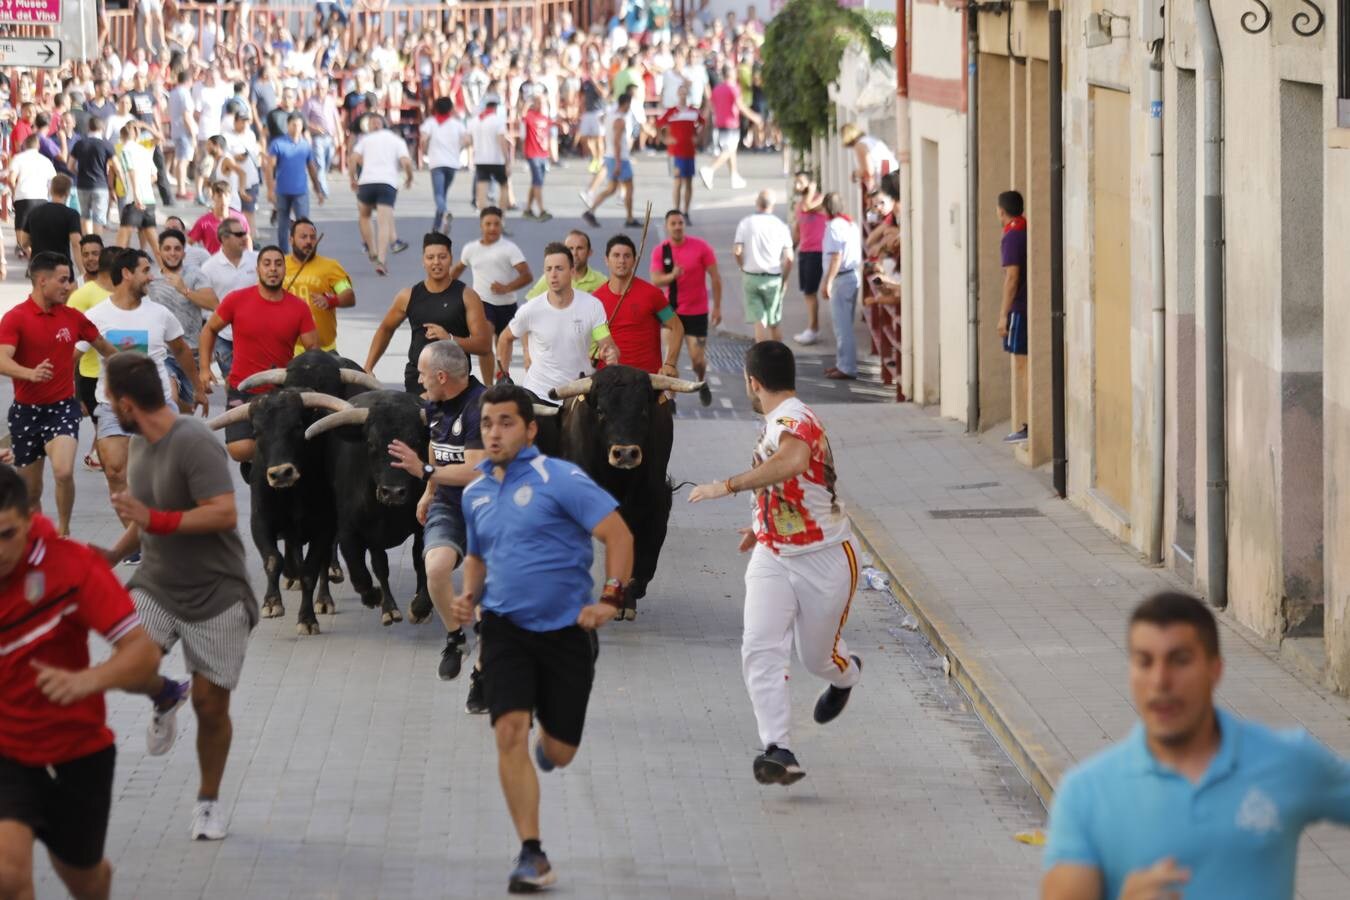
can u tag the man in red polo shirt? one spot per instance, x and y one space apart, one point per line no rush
636 323
56 751
37 350
268 322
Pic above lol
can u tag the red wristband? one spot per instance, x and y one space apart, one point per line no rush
163 521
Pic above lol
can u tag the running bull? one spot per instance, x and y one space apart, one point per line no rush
620 431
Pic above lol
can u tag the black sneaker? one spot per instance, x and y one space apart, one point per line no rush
531 874
476 703
452 657
589 218
833 701
777 765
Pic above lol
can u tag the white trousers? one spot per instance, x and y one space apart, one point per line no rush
805 597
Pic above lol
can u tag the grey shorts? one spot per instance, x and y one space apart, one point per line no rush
213 648
95 205
106 424
444 528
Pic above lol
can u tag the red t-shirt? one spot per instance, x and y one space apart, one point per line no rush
265 331
58 592
683 123
637 328
537 127
36 335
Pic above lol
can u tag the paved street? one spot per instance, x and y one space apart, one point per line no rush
355 773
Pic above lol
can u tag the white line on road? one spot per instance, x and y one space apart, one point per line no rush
726 404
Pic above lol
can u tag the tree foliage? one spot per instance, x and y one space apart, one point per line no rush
803 46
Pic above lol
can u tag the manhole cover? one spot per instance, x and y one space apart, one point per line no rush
727 354
1009 512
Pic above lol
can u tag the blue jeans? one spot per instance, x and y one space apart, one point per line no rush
224 356
289 207
324 152
843 308
441 179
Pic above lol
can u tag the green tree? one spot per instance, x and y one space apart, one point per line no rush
803 46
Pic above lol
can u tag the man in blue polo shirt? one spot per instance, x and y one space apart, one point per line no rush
530 520
1196 802
290 159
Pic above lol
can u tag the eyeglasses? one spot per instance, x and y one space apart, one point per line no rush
234 233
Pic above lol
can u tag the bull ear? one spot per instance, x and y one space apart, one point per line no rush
259 379
230 417
352 415
366 380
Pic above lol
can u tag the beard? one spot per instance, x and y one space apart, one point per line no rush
127 424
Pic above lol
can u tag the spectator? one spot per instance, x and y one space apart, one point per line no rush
1012 317
872 157
842 252
763 250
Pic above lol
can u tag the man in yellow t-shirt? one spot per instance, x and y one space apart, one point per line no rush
318 280
585 277
97 264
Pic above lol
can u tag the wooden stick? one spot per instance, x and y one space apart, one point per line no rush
305 262
642 248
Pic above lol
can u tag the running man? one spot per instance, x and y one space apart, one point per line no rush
491 151
1196 800
728 107
37 350
375 163
181 508
56 750
440 307
681 124
638 313
585 277
499 270
289 168
443 138
619 133
803 570
318 280
97 287
537 127
232 267
566 328
685 266
452 405
529 524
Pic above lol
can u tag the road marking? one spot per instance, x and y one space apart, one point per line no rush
714 381
726 404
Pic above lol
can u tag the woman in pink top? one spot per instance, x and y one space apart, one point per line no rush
728 107
809 222
205 229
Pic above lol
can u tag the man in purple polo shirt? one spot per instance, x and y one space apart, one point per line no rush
1012 319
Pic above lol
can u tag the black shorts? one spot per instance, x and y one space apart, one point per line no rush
375 194
22 209
810 269
68 812
695 326
547 673
131 217
238 431
490 172
32 426
499 316
84 391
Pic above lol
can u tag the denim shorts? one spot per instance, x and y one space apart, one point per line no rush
537 169
444 528
94 202
187 390
620 170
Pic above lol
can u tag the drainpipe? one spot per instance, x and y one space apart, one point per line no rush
902 142
1216 430
1155 152
972 228
1058 450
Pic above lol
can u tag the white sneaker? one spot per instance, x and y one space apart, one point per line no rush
707 175
163 728
737 183
207 822
807 337
585 198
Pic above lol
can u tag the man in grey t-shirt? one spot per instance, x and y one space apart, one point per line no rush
191 585
184 291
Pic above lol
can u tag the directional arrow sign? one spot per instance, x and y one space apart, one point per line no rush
37 53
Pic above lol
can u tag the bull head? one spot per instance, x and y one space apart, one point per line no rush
277 377
310 399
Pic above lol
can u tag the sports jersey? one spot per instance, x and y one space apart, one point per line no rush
58 592
454 428
683 123
803 513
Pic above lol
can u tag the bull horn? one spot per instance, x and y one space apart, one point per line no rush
352 415
546 409
229 417
365 379
666 383
571 389
265 377
319 400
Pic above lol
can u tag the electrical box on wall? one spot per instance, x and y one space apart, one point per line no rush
1152 21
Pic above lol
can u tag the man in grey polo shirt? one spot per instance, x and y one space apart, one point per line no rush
185 291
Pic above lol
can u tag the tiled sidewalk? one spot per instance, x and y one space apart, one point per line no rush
1031 609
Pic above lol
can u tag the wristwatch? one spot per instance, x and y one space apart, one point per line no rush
427 471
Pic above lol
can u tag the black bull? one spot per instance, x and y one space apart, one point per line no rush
620 430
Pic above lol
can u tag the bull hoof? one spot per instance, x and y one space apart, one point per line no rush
419 610
370 599
273 609
323 605
304 629
390 616
292 584
335 575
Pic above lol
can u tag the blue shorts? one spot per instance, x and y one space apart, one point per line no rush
187 391
684 166
618 170
183 147
1016 340
376 194
32 426
444 528
537 169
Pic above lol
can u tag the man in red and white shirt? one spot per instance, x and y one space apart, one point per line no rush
682 123
538 128
56 750
803 571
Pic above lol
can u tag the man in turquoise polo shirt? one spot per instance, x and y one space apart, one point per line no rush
1196 802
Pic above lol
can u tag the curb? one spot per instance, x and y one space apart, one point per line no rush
996 707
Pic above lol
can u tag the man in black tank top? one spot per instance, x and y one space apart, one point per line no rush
437 308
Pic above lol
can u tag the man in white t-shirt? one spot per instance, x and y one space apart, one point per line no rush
562 326
499 269
763 251
443 138
379 156
129 323
30 178
491 150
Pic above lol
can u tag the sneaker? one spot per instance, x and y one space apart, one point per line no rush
380 268
544 216
452 657
737 183
1016 437
807 337
833 701
164 722
532 873
207 822
594 166
529 214
476 703
586 198
541 758
777 765
134 559
398 246
707 175
589 218
632 223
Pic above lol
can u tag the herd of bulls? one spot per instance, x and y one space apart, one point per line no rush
321 477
